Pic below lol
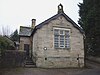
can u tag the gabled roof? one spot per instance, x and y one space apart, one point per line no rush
25 31
55 17
28 31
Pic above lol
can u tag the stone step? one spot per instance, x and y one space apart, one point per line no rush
30 66
29 63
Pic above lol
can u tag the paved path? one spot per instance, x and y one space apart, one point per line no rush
93 70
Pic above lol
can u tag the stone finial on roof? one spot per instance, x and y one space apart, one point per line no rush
60 8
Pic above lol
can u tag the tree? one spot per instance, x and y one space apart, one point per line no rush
90 21
15 36
6 43
5 30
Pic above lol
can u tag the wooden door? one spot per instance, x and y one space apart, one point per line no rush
26 48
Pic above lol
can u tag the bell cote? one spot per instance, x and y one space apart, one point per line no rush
60 8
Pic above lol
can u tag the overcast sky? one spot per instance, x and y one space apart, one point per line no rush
16 13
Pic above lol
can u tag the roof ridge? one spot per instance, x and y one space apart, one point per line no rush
57 15
24 27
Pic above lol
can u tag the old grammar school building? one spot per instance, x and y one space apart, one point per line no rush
58 42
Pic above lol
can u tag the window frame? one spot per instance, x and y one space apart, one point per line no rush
59 35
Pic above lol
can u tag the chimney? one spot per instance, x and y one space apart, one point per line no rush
33 23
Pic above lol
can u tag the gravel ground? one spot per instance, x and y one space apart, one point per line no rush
39 71
93 69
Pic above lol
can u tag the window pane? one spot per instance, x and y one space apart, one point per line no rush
67 42
56 41
56 37
56 32
67 46
67 33
61 37
56 45
61 46
61 32
61 41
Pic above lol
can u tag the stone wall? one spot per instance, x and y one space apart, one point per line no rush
24 40
58 58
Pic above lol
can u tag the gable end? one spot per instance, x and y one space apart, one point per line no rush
56 16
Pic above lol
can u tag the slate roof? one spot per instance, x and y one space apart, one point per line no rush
55 17
25 31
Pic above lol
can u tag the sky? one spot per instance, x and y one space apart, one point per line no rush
16 13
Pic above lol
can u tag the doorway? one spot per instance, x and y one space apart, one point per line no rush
26 48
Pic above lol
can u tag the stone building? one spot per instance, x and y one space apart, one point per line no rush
58 42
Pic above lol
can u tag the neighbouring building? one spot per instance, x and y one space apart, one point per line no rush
58 42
